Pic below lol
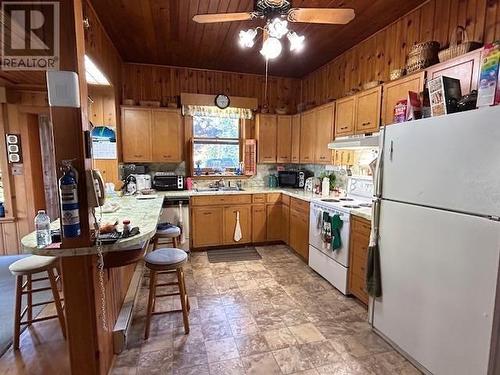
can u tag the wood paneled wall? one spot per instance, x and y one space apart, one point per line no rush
374 58
152 82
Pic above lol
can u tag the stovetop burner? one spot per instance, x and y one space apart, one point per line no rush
346 199
331 200
367 205
351 206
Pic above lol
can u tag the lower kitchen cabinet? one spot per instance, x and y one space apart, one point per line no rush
230 220
358 253
299 233
207 226
259 223
274 222
285 217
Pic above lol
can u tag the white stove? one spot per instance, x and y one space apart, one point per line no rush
333 265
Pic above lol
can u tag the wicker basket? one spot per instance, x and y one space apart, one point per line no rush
421 56
397 73
459 45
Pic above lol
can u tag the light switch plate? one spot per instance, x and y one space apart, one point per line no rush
63 89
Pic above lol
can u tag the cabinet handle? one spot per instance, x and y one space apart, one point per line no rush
366 123
207 213
344 127
138 156
167 156
322 157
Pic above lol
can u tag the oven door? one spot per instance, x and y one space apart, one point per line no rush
287 179
340 255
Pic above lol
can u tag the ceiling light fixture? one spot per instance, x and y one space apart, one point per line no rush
247 38
296 41
274 30
93 74
271 48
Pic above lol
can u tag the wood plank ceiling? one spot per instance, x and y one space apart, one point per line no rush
162 32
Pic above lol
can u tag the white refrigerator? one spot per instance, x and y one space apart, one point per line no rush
439 242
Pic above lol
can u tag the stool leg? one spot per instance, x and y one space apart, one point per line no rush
29 286
17 311
182 291
155 243
185 291
57 300
174 242
152 293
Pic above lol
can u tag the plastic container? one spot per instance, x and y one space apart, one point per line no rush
325 187
273 181
42 228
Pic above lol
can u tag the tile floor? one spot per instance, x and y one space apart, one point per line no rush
265 317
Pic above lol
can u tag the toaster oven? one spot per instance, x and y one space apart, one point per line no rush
164 181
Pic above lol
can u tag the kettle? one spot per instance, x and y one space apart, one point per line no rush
273 181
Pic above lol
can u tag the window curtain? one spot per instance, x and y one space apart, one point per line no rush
212 111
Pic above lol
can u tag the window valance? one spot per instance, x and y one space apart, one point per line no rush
213 111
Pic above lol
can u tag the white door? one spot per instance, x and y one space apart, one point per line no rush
439 279
449 162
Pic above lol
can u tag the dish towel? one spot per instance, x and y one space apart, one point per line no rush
237 229
336 225
373 271
319 219
326 230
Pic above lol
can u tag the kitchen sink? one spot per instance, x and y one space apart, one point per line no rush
224 188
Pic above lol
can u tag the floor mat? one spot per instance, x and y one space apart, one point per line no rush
7 290
233 255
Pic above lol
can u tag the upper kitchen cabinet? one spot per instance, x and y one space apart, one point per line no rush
102 109
325 117
136 134
284 139
465 68
368 111
167 136
151 135
395 91
307 137
295 150
345 116
266 133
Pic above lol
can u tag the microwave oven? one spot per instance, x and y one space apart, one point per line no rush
168 182
293 179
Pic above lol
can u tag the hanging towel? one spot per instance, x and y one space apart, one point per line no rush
336 224
373 271
237 229
319 219
326 230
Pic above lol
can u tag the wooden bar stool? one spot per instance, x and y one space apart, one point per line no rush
166 259
170 234
28 267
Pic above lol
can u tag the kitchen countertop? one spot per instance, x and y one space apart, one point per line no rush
141 213
365 213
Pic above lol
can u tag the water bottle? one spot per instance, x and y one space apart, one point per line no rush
42 227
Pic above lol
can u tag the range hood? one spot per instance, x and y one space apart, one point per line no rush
355 142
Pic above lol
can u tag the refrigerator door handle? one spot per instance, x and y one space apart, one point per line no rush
392 150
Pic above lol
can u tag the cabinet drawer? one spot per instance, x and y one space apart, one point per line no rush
211 200
285 199
273 198
259 198
299 205
361 226
357 287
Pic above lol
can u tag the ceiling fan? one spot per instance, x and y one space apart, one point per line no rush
268 9
277 14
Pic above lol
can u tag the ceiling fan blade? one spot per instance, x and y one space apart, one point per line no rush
222 17
321 15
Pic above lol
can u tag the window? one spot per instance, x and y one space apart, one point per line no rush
216 145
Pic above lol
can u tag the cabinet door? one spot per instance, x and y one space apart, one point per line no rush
368 111
357 270
207 226
259 223
167 136
274 222
109 170
136 135
230 215
307 137
324 133
285 214
266 128
299 233
397 90
295 156
284 139
345 116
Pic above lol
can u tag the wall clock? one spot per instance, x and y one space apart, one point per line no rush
222 101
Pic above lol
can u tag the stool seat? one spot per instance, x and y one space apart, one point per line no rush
32 264
165 259
170 232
